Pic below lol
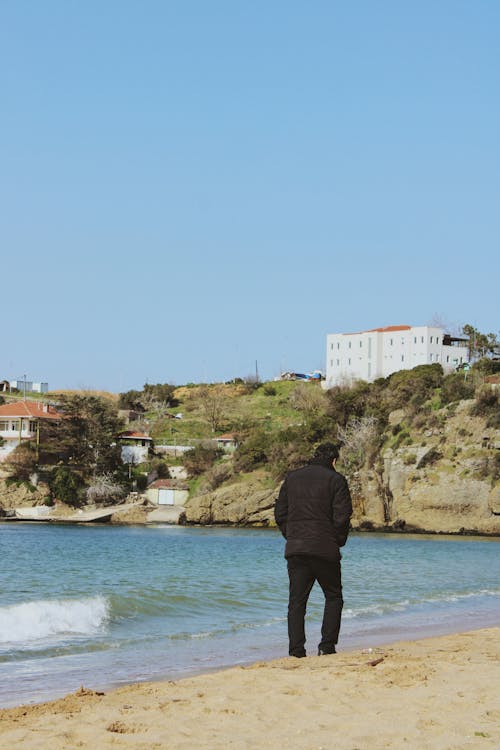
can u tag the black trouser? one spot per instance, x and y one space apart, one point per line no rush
303 571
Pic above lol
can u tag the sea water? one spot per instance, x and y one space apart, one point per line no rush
101 606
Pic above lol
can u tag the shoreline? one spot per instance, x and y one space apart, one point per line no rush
393 531
444 689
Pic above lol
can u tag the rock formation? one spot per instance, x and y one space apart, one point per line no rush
442 478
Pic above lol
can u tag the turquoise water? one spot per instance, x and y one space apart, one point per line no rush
104 605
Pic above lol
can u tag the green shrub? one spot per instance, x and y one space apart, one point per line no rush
455 388
486 366
402 438
22 462
201 458
159 465
429 458
412 387
269 389
66 485
486 404
214 477
252 451
345 403
140 482
409 458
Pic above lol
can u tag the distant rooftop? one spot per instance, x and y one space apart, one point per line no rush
31 409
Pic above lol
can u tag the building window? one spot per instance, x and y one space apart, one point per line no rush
350 344
338 362
338 344
422 339
331 346
4 425
447 357
431 357
414 339
14 425
431 339
33 426
402 342
349 361
391 342
360 344
402 358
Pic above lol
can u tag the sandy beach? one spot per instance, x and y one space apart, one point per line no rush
440 693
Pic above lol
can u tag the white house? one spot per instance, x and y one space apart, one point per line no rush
20 420
377 353
228 442
135 446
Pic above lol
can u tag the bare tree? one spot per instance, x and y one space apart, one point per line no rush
104 489
309 399
213 403
359 439
157 406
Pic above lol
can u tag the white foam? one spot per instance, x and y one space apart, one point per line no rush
34 621
389 607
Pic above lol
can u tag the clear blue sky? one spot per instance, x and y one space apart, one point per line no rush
188 187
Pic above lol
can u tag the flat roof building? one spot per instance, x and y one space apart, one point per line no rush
378 352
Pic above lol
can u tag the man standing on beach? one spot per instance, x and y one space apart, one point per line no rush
313 511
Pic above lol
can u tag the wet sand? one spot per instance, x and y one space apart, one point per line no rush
438 693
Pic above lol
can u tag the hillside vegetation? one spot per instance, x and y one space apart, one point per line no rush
407 440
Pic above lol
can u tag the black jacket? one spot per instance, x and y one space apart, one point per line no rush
313 510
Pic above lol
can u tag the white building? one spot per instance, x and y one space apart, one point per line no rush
27 386
377 353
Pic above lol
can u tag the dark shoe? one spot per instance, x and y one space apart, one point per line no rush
325 653
298 656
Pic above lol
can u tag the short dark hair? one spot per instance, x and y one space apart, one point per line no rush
326 453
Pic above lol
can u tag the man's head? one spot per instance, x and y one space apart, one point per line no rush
325 454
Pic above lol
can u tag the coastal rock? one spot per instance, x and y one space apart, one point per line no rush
21 495
443 480
242 504
494 500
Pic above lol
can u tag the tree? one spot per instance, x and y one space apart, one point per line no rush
359 440
66 485
213 403
160 392
309 399
22 462
131 400
481 344
104 489
86 436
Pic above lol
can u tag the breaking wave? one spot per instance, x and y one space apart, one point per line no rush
34 621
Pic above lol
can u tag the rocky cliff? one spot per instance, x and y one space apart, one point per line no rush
21 495
439 474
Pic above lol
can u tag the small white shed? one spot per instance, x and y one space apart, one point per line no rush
168 492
